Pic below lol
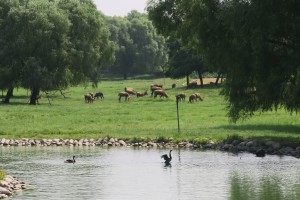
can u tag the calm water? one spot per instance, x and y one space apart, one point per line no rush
127 173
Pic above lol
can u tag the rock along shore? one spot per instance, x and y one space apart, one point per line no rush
251 146
10 185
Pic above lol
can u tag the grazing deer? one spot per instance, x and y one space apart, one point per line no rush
141 94
89 98
161 93
192 84
130 90
198 96
180 97
192 98
153 88
123 94
99 94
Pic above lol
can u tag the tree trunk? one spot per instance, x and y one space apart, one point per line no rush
34 94
201 78
218 77
187 81
9 94
125 76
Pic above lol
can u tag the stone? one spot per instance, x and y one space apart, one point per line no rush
122 143
5 191
3 196
274 145
112 140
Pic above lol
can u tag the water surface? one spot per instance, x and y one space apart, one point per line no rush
128 173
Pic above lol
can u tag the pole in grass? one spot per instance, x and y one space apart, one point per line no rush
178 126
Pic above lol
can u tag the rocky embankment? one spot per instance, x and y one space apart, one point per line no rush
10 185
251 146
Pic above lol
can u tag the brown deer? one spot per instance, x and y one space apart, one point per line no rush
161 93
198 96
123 94
180 97
192 98
156 85
192 84
130 90
99 94
141 94
89 98
153 88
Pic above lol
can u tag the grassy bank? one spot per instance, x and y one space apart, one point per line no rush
140 118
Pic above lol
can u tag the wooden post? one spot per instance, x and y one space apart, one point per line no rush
178 126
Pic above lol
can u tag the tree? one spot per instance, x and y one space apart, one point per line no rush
140 49
34 44
183 60
124 46
150 48
46 47
90 47
256 43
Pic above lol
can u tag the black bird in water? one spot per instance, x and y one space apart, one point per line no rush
70 161
167 158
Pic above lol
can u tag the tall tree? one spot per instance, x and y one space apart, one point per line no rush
255 42
90 47
124 46
34 44
184 57
47 47
183 60
140 49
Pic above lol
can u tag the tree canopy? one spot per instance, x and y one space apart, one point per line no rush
256 43
48 45
139 49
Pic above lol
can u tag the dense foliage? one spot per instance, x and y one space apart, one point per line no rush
48 45
256 43
139 48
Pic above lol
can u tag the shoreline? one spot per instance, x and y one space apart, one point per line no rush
11 185
236 146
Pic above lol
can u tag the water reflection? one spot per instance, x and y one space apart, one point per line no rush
127 173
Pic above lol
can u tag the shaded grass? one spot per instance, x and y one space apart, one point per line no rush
139 119
2 174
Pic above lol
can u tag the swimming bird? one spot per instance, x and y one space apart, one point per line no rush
167 158
70 161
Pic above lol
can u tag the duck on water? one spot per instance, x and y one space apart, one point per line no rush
70 160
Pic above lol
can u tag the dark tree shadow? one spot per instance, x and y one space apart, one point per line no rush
285 131
265 127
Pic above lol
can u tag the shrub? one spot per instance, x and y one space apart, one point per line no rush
202 140
162 139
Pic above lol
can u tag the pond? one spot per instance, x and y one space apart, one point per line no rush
128 173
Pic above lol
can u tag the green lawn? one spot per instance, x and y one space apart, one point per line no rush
140 118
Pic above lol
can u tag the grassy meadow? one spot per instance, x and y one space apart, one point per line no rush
142 118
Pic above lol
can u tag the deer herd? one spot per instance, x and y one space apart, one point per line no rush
156 90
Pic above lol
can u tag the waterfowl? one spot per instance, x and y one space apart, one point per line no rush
70 160
167 158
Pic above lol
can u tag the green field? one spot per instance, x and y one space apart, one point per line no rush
143 118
